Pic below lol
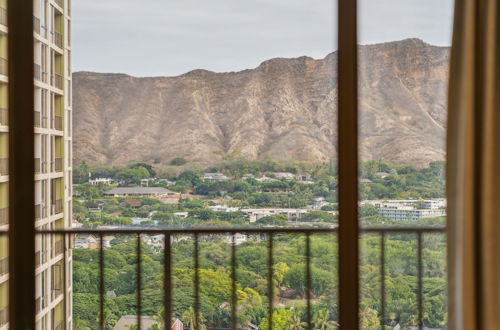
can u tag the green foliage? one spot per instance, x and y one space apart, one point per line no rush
178 161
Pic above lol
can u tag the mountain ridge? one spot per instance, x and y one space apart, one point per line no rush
283 109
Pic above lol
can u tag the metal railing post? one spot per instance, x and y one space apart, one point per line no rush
348 165
21 165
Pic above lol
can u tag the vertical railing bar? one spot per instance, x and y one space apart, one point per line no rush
65 279
21 148
308 280
420 274
196 282
139 282
347 70
382 279
234 321
101 281
167 281
270 287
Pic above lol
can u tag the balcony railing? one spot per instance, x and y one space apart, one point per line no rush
58 39
4 266
57 207
37 72
36 25
38 212
4 216
58 247
3 16
38 258
4 116
38 163
4 66
4 316
38 118
60 3
270 235
58 165
59 326
38 304
58 122
4 166
58 81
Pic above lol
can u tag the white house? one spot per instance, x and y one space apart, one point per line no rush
96 181
215 177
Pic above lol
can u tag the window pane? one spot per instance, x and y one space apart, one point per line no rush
403 78
208 114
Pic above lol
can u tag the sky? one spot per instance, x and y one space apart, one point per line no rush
170 37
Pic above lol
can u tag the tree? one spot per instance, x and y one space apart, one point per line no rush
189 318
149 168
178 161
296 322
132 175
321 320
369 319
281 319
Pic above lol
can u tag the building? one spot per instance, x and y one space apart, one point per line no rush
239 238
140 192
285 175
52 137
409 209
215 177
408 213
127 321
96 181
266 179
256 214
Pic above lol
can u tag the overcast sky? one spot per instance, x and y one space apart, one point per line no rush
171 37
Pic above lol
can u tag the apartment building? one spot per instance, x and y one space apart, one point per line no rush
52 117
409 210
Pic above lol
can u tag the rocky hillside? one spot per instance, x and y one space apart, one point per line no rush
283 109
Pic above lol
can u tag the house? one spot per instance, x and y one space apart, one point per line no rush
181 214
139 192
86 241
215 177
93 206
266 179
146 182
96 181
256 214
111 294
303 177
134 203
177 325
224 208
248 176
364 180
106 241
284 175
382 174
125 322
166 181
238 238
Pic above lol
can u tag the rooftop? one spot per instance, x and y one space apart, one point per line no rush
139 191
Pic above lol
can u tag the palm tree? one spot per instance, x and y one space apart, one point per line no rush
189 318
296 323
321 320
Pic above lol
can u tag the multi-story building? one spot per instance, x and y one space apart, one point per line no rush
410 209
52 116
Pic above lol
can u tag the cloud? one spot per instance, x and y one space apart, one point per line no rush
170 37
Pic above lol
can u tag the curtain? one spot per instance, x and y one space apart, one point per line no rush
473 167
